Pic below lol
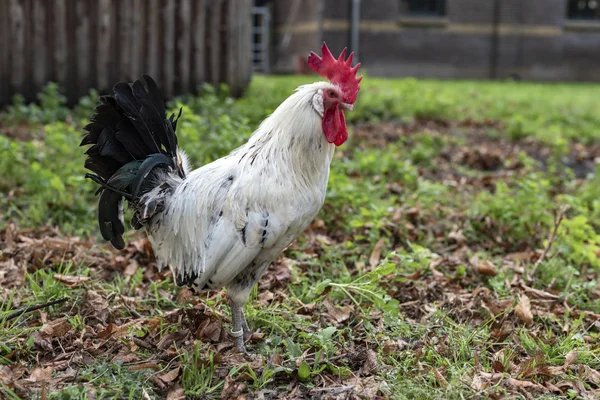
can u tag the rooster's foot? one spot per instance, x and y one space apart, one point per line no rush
238 339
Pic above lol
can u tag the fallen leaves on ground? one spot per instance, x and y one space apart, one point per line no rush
118 327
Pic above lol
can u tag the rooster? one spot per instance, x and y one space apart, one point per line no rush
220 225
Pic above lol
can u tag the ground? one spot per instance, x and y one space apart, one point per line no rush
456 256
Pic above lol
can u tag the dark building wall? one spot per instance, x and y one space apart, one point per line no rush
530 39
470 11
301 25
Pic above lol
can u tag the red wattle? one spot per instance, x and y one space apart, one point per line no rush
334 125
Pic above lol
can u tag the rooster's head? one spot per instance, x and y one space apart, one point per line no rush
339 95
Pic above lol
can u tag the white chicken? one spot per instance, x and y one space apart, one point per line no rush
220 225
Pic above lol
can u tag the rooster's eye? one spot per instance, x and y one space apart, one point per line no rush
331 93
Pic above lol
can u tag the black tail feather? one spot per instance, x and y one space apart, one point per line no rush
132 143
148 96
145 169
133 110
110 217
105 185
131 140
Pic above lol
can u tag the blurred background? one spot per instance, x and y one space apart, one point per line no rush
83 44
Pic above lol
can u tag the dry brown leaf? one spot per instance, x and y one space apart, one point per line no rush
497 366
40 375
184 296
57 328
440 378
589 374
306 308
523 310
277 359
167 340
326 240
125 357
120 331
176 393
210 330
486 268
170 376
520 256
540 294
478 383
397 216
107 332
415 276
70 280
390 346
338 313
147 365
494 306
376 254
484 380
317 224
232 389
95 301
370 364
570 358
552 387
265 297
131 268
282 273
368 387
6 375
457 236
520 384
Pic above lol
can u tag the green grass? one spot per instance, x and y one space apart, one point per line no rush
438 178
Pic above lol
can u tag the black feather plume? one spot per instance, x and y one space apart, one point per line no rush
133 145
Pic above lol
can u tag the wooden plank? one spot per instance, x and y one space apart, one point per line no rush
28 90
39 43
103 41
17 45
216 43
239 45
153 43
183 42
232 42
168 58
50 42
124 40
115 72
244 56
82 46
90 43
198 49
61 45
92 40
72 81
4 52
137 35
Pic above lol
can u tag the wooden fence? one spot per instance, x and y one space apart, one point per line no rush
83 44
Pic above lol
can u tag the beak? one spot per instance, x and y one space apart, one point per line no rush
347 106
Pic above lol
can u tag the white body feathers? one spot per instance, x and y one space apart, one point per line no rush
226 221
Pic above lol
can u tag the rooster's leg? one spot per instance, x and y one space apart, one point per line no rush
245 327
239 291
238 322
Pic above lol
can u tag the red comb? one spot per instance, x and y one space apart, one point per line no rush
338 71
